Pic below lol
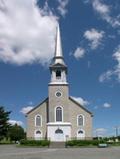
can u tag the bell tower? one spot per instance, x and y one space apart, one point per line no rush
58 67
58 87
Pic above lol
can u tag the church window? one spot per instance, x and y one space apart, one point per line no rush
80 120
58 131
58 74
58 94
38 132
58 114
38 120
38 135
80 132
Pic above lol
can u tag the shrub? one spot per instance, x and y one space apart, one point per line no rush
16 133
83 142
5 141
35 143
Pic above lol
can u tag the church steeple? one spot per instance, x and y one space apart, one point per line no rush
58 57
58 67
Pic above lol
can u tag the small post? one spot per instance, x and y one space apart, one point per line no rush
66 140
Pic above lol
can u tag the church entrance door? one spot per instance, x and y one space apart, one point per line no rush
58 131
59 135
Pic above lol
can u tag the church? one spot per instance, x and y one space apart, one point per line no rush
59 117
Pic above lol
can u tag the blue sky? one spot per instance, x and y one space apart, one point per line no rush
90 31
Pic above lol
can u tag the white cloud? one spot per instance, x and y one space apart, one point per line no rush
106 105
100 132
115 71
100 7
81 101
116 55
106 76
26 32
62 7
104 11
13 122
95 37
25 110
112 36
79 53
86 1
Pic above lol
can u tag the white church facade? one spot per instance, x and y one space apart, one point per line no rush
59 117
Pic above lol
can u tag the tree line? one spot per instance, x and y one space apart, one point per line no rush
8 131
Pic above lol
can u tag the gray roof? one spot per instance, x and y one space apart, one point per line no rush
73 100
37 106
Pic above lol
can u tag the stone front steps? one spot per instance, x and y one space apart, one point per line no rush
57 145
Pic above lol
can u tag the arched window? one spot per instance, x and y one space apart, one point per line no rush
38 120
38 132
80 120
58 74
58 114
58 131
38 135
80 132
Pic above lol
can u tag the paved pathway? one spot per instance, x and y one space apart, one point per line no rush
13 152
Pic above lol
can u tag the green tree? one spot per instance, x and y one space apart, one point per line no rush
4 125
16 133
119 138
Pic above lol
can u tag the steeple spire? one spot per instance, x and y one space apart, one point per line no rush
58 46
58 68
58 57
